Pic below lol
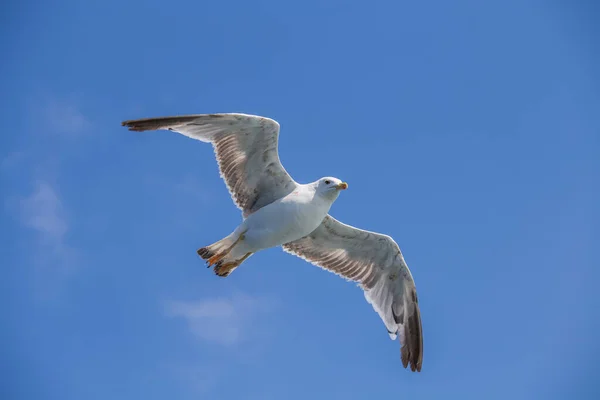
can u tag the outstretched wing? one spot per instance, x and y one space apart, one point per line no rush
376 263
246 151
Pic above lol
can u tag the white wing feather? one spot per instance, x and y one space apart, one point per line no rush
376 263
246 148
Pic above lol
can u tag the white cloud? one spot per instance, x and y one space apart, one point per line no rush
233 322
55 121
42 212
38 161
225 321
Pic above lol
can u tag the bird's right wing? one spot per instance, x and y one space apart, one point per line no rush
376 263
246 151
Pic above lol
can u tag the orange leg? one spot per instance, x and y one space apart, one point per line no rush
218 257
226 269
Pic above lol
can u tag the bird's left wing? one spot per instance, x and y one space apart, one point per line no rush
376 263
246 148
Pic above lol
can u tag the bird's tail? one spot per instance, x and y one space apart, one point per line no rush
225 255
214 250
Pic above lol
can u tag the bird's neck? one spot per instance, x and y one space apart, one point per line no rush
327 197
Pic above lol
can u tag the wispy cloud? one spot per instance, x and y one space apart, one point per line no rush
32 196
42 211
225 321
232 322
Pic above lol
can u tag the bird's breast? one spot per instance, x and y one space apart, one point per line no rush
285 221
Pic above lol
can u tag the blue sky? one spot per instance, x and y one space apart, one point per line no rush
467 130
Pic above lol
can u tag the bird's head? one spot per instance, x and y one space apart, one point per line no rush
330 187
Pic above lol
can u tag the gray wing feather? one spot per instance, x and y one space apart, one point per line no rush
376 263
246 150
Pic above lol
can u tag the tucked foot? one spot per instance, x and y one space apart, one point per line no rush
205 253
212 256
224 269
216 258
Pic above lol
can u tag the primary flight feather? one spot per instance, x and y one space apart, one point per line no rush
277 211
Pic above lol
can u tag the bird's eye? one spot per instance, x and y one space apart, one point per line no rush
327 182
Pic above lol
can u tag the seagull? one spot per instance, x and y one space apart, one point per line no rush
278 211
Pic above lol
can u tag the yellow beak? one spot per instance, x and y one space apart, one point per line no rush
342 186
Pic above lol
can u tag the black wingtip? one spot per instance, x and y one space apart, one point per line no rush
154 124
411 358
411 351
135 126
130 125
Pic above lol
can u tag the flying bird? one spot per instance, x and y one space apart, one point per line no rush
278 211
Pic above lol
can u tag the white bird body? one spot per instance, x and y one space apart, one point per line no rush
285 220
278 211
